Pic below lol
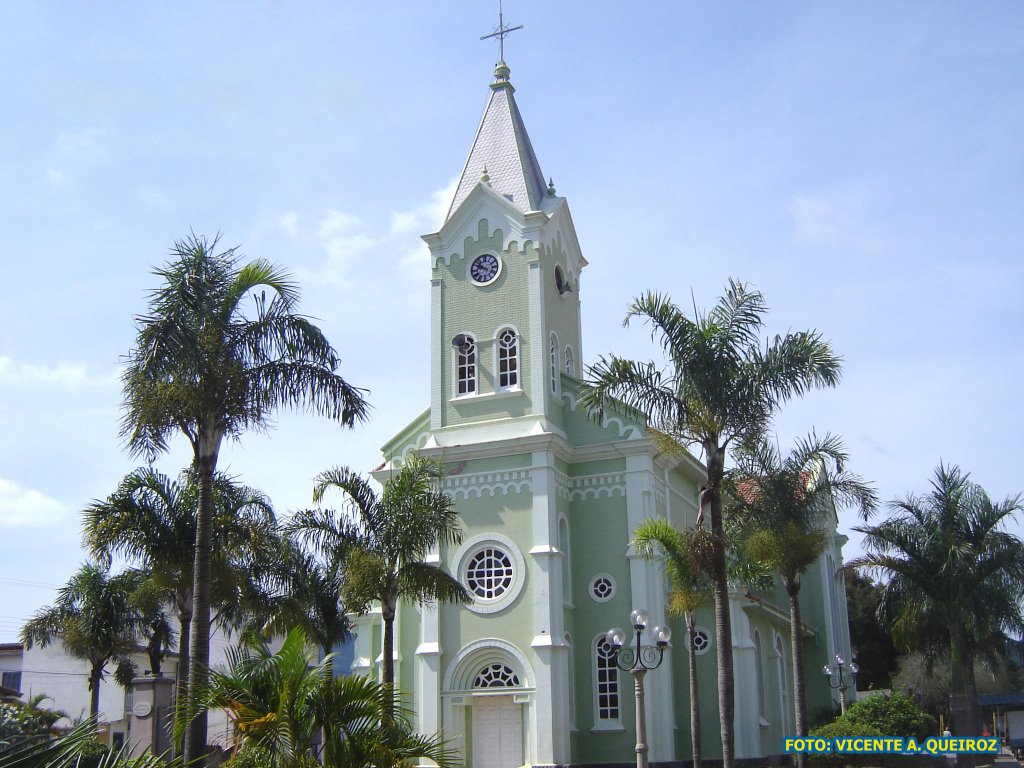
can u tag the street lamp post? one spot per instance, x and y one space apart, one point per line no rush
639 660
841 676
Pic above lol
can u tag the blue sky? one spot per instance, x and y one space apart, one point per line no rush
861 163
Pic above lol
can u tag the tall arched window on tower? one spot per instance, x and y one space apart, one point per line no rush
570 361
465 366
508 359
563 547
554 364
606 685
780 654
759 674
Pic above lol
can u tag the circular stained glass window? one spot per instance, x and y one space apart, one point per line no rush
701 641
489 573
602 588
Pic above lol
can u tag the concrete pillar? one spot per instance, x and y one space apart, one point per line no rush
151 718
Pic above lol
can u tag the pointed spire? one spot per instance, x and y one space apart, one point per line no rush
503 150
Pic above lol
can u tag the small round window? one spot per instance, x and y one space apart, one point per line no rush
489 573
701 641
602 588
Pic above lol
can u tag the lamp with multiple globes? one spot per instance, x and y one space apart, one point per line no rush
638 660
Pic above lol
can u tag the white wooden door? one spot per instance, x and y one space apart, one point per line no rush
497 732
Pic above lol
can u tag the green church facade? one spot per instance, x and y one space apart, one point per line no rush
548 499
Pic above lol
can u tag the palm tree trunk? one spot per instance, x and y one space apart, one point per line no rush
181 673
691 654
796 646
960 705
199 662
388 609
723 624
95 676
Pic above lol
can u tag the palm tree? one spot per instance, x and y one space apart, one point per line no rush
93 619
202 367
784 505
954 576
384 539
686 554
151 519
302 590
280 701
721 387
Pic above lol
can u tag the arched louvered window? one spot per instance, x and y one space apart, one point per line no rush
570 361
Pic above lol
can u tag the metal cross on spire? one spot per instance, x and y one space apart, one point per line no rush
501 33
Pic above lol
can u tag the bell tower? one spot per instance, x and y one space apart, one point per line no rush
505 309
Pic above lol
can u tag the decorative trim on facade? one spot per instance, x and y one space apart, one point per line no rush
596 486
479 484
626 431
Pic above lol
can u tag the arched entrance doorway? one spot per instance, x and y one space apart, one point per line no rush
494 685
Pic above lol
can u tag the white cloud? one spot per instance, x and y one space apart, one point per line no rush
335 223
67 375
347 239
56 177
834 221
289 223
27 507
83 145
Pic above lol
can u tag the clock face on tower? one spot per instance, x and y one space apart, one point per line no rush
484 269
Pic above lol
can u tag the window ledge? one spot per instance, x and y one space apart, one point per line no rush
609 728
485 396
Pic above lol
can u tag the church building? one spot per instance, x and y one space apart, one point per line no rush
548 499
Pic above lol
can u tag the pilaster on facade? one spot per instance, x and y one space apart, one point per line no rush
548 644
647 580
747 719
437 394
365 654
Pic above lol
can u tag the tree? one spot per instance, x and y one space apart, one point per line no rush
302 590
93 619
785 504
872 644
954 577
280 701
151 520
686 560
202 367
720 387
384 540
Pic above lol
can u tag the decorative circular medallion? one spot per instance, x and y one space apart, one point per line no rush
142 709
485 269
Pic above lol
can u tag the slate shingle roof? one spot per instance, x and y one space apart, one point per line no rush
503 147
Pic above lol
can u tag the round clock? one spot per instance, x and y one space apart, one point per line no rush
484 269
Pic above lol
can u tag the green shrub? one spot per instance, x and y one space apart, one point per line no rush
838 729
892 715
251 756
